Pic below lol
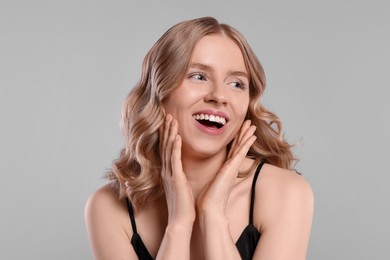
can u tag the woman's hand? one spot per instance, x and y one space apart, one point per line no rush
213 197
178 193
180 201
212 200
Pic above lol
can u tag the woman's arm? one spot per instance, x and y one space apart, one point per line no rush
211 203
107 220
105 227
103 213
283 211
218 243
178 193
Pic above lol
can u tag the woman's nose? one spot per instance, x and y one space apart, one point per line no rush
217 94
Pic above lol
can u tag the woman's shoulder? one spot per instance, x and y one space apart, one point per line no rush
283 181
108 225
105 197
104 205
280 192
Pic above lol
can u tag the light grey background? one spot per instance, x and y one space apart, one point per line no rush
66 66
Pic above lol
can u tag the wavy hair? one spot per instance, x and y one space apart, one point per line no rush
136 173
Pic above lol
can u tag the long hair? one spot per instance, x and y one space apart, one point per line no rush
136 173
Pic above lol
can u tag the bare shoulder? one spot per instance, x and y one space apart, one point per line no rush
103 207
282 191
105 199
283 214
107 224
287 181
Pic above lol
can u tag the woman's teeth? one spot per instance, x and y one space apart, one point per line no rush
211 118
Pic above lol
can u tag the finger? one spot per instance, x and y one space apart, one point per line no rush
228 174
164 140
167 124
176 163
245 126
229 171
248 134
161 135
232 147
239 136
242 151
172 132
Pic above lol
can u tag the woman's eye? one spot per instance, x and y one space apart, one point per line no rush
237 84
198 76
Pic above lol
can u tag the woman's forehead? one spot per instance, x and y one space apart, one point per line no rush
218 51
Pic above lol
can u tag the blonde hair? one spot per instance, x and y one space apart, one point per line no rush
136 173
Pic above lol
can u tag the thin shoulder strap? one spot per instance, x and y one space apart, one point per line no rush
131 214
253 191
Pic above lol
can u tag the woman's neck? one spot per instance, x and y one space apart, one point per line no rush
202 170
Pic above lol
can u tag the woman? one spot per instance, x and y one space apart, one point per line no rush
205 172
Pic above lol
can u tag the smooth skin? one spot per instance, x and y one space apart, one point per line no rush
206 206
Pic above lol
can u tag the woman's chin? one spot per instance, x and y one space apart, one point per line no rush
203 151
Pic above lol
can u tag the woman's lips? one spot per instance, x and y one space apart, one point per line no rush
214 117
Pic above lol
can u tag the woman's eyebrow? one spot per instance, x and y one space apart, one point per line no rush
201 66
239 74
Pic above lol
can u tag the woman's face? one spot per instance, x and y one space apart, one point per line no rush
211 103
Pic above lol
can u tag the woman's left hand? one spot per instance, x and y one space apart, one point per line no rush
213 197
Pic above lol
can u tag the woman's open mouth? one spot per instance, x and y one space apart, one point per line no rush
210 121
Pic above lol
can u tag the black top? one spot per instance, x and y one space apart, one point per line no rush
246 243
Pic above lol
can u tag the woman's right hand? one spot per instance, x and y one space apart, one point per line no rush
178 193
